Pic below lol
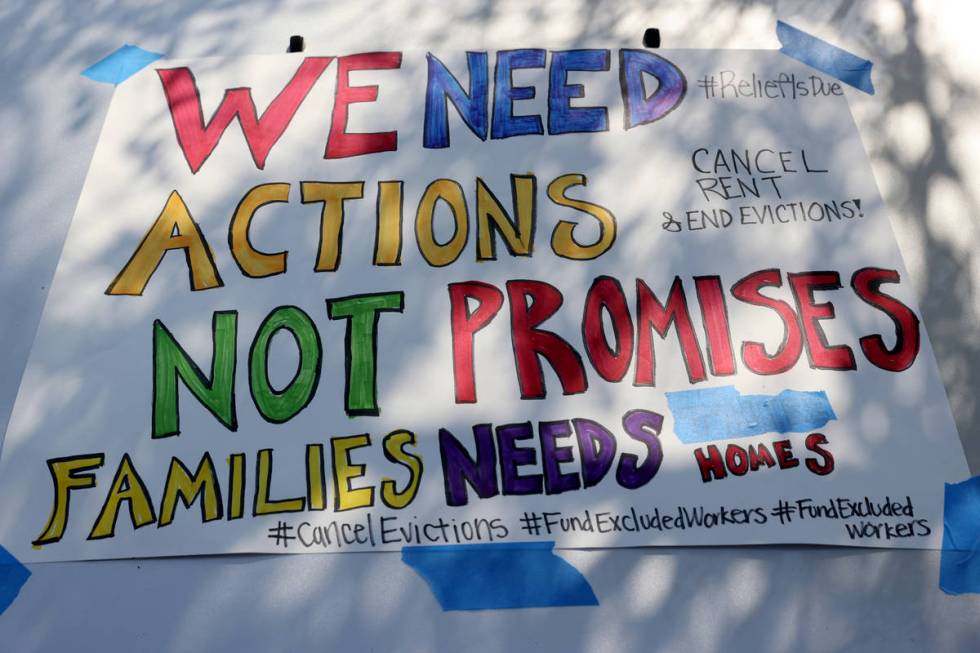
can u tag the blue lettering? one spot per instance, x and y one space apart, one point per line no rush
471 106
505 123
562 117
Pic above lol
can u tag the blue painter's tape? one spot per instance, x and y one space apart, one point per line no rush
723 413
959 571
817 53
13 575
121 64
500 575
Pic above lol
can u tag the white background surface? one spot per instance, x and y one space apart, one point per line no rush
918 132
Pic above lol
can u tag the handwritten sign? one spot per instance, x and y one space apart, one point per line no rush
362 301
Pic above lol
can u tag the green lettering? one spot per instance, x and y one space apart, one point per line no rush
362 313
171 362
278 406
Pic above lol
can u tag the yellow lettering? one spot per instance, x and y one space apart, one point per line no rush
441 254
333 195
316 489
181 485
490 214
236 486
394 447
388 242
126 486
174 228
67 476
264 505
253 262
344 471
562 240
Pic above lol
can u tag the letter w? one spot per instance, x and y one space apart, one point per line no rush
198 139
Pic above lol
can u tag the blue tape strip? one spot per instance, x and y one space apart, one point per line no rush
121 64
13 575
723 413
817 53
959 570
501 575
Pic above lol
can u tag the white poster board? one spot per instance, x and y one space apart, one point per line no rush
607 298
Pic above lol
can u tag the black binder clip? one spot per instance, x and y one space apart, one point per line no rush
296 43
651 37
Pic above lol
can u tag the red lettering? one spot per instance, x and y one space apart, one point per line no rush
530 342
611 363
754 353
822 355
341 143
652 315
197 140
714 314
813 442
710 463
464 328
737 460
866 283
784 454
759 455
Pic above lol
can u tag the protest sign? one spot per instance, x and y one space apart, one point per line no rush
362 301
